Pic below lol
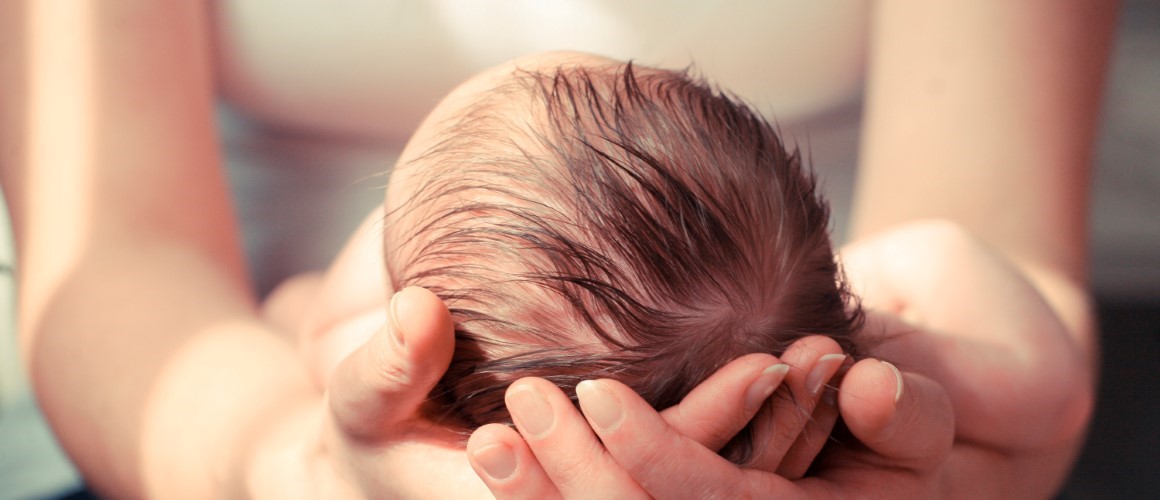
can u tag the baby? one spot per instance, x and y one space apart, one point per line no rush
604 220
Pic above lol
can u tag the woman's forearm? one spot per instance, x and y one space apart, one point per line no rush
114 139
984 113
135 316
156 382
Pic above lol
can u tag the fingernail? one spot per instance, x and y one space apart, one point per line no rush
396 332
764 385
897 380
531 410
823 370
600 405
497 460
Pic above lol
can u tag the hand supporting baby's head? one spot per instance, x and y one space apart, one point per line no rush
609 221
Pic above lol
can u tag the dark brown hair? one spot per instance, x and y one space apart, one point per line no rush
620 222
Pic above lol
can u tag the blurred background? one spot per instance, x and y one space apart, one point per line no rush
306 156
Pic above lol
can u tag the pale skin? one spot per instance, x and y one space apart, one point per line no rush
345 304
1003 120
111 167
336 313
177 415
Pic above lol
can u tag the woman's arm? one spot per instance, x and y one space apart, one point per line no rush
135 316
146 347
984 113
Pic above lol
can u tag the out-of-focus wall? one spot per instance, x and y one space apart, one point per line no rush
1126 186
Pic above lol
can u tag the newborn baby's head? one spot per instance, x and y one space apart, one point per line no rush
603 220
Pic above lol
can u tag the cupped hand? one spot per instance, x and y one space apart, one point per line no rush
1005 341
367 437
620 446
370 440
992 401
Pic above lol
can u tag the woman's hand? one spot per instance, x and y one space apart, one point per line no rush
1019 388
372 439
790 434
1012 361
369 437
622 446
895 449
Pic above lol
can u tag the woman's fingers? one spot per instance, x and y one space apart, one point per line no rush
904 434
718 408
813 438
664 462
791 430
903 417
507 465
386 379
904 427
563 443
792 411
714 411
813 361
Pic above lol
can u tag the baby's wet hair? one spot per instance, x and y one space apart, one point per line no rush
616 222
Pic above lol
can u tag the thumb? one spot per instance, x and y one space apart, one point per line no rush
386 379
903 417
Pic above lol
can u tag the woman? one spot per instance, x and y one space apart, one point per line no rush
176 415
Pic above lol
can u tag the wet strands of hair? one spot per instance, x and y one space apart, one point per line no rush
615 222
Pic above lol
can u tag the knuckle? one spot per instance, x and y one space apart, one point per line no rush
645 457
387 370
574 472
714 429
732 488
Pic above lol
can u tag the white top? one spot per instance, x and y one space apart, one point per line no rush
373 68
